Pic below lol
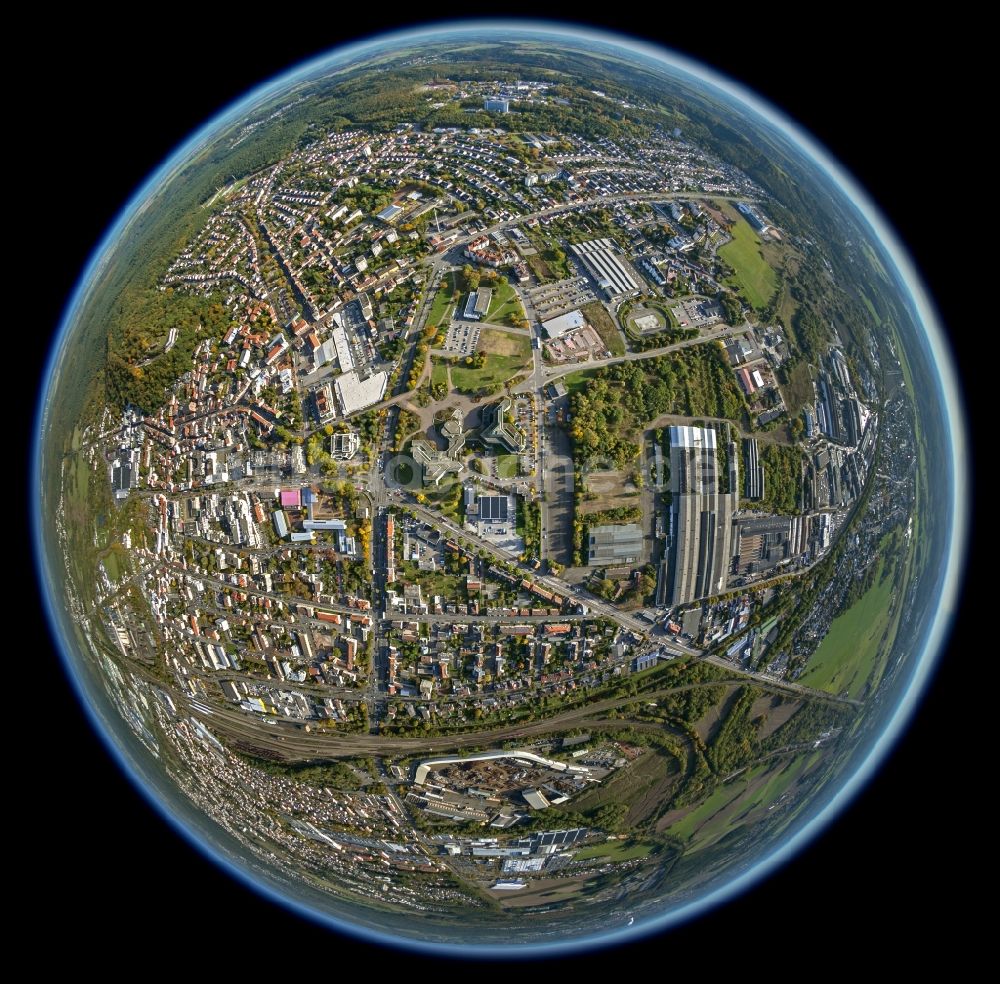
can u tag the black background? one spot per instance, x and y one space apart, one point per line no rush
107 862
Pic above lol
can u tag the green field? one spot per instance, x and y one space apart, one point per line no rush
113 563
780 780
753 273
576 381
435 582
506 356
439 372
604 325
507 465
798 391
615 851
442 300
505 306
497 370
846 658
729 805
703 814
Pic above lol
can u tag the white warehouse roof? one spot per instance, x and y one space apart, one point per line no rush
555 327
354 393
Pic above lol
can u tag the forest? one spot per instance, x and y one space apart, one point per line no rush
608 415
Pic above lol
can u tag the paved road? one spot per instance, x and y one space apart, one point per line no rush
552 373
636 625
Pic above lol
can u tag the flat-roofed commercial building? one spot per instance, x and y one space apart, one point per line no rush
608 546
555 327
494 508
355 393
344 358
389 212
478 303
754 470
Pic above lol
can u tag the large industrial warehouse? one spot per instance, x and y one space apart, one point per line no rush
612 273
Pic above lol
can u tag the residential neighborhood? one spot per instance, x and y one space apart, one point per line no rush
499 497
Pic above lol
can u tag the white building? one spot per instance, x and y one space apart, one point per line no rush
355 393
555 327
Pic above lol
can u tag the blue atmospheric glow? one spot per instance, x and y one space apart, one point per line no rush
949 395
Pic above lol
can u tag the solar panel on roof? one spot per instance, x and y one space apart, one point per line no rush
493 507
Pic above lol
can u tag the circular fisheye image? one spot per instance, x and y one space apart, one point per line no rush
500 489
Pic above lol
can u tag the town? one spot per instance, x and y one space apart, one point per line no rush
476 435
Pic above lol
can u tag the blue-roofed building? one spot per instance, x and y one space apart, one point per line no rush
644 662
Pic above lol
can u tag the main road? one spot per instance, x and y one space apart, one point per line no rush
629 622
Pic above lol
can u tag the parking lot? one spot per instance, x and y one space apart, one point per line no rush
696 313
551 300
462 337
358 337
505 537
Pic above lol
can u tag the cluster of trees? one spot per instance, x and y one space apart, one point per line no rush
808 723
406 425
622 397
138 371
332 773
468 279
732 309
630 594
782 478
643 343
735 743
316 452
531 513
419 360
438 390
392 349
693 704
343 494
369 425
619 514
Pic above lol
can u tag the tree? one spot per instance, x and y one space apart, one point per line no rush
468 278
